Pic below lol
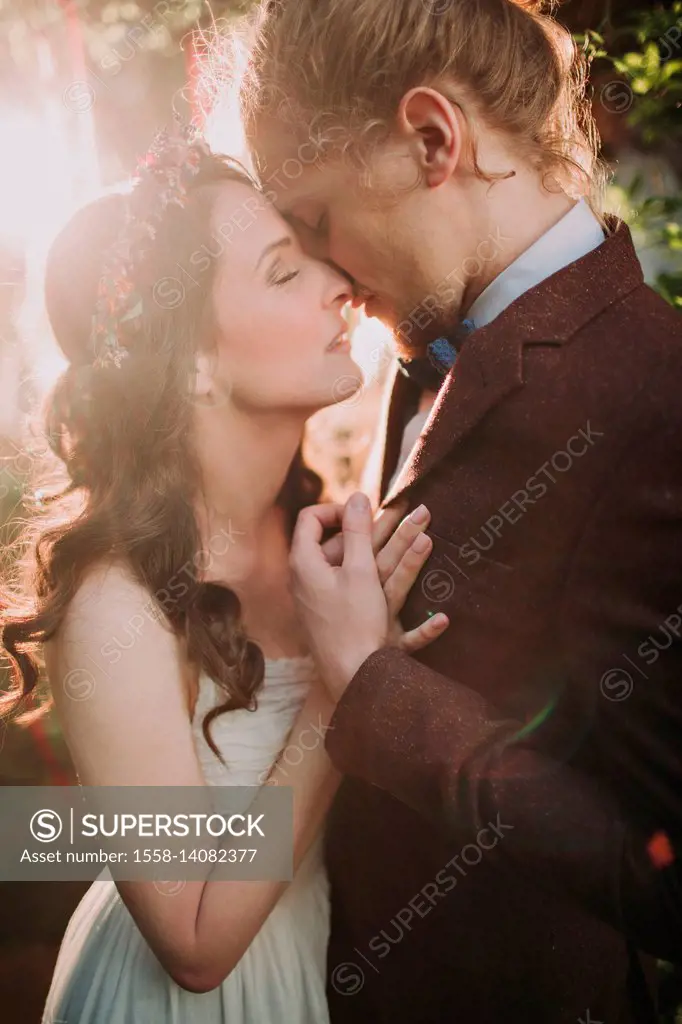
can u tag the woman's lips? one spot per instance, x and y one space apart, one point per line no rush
339 344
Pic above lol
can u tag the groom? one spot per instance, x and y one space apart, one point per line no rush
505 846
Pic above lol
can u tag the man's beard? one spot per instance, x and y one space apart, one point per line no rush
420 324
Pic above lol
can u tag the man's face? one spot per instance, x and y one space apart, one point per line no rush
371 221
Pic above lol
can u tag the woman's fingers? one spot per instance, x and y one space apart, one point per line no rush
401 541
402 579
332 549
307 551
422 636
327 513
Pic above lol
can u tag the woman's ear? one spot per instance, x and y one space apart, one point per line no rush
203 379
431 124
209 389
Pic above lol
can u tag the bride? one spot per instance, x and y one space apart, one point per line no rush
200 338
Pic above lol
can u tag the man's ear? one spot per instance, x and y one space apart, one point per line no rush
433 126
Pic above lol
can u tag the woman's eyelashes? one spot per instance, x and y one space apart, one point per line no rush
279 275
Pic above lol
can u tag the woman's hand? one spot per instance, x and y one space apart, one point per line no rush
385 522
397 551
401 549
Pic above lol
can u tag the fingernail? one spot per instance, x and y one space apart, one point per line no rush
420 543
359 502
420 515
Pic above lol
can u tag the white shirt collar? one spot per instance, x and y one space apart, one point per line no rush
576 234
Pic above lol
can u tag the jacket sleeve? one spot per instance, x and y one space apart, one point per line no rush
436 745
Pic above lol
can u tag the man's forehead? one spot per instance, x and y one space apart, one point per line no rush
293 168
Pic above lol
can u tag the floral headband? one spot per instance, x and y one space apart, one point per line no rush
169 166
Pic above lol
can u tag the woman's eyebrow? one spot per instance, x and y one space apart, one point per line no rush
281 243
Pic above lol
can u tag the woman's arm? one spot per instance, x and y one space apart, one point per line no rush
133 730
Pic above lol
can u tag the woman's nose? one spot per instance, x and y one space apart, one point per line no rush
341 288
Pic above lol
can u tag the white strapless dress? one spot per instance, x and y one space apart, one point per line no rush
107 974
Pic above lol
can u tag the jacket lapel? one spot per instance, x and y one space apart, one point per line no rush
402 392
471 389
490 365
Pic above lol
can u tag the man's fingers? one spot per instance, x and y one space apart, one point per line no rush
386 522
402 579
390 556
357 534
422 636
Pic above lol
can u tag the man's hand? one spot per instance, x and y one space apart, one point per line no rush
385 522
350 611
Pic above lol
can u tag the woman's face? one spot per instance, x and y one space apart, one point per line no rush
282 342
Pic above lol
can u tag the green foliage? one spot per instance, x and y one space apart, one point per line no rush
647 52
656 223
592 43
654 69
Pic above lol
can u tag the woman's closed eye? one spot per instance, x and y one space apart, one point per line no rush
279 275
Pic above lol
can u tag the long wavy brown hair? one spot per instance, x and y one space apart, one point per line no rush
122 437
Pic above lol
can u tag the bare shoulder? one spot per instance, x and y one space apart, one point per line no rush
106 596
118 680
109 614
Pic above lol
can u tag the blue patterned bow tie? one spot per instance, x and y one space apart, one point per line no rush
429 371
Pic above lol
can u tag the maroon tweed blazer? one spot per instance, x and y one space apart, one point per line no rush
496 853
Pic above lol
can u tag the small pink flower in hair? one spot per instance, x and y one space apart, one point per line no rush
168 165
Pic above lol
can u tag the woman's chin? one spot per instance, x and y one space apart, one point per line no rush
346 379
